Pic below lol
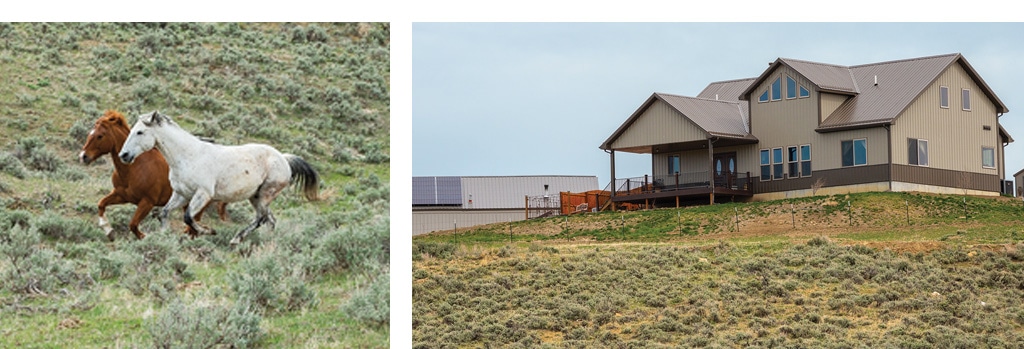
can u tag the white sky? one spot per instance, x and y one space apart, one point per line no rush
539 98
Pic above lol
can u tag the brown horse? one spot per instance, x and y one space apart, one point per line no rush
144 183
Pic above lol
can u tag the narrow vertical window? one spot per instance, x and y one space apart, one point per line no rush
805 160
673 164
988 157
917 152
790 88
966 99
792 157
766 167
943 97
777 89
777 163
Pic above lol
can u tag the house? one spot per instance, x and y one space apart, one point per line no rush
928 124
447 203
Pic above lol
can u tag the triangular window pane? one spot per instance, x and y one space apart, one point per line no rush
764 97
804 92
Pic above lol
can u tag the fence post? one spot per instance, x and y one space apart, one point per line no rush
510 230
908 211
792 209
849 212
456 235
679 223
737 213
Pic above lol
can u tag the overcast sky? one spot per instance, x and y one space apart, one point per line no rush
492 99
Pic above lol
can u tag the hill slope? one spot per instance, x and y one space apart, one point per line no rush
317 90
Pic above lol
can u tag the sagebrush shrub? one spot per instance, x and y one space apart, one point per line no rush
11 165
55 226
205 324
372 302
33 153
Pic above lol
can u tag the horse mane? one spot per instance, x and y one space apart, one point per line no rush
114 118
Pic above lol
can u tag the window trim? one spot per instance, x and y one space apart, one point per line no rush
778 162
792 161
965 99
917 148
944 92
994 165
765 97
808 161
763 164
791 92
778 80
802 93
853 151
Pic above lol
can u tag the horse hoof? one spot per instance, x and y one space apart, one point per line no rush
235 241
110 237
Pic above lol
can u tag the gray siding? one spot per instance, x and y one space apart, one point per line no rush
426 221
510 192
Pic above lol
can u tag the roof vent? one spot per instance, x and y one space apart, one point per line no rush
876 80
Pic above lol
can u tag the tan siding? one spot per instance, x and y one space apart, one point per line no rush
659 124
829 103
784 123
697 160
955 137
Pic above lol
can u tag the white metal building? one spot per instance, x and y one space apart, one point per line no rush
444 203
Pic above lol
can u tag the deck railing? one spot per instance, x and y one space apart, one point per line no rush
686 180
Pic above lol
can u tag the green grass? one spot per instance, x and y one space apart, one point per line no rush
318 90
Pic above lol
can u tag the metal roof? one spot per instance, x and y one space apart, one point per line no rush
717 118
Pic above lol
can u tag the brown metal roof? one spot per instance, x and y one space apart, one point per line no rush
719 118
728 90
826 77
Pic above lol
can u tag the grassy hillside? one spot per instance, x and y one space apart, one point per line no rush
889 270
317 90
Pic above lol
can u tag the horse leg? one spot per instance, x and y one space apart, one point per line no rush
261 203
141 210
222 209
176 201
196 206
113 198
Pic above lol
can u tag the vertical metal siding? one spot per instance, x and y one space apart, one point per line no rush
509 192
793 123
830 102
659 124
955 137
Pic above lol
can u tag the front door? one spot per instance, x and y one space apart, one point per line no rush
724 166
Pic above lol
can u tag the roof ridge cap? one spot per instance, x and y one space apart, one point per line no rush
907 60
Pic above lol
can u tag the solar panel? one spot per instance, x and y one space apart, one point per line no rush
430 191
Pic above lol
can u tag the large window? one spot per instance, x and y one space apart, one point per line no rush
943 97
777 89
917 152
766 165
988 157
777 163
673 164
966 99
792 156
805 160
855 152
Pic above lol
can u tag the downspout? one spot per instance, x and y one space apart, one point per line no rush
611 153
888 138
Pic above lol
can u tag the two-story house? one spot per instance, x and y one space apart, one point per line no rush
928 124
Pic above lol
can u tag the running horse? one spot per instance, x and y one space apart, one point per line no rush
201 172
143 183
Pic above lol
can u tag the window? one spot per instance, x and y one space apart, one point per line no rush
943 97
790 88
777 163
777 89
791 160
988 157
917 152
855 152
763 98
804 93
805 160
766 167
673 164
966 99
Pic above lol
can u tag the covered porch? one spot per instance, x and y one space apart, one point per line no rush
694 145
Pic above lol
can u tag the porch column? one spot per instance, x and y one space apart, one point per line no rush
612 185
711 170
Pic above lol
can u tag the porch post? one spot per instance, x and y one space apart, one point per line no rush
711 169
612 185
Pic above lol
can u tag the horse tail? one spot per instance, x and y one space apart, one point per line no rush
304 172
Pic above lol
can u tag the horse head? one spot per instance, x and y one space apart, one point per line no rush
141 138
105 137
